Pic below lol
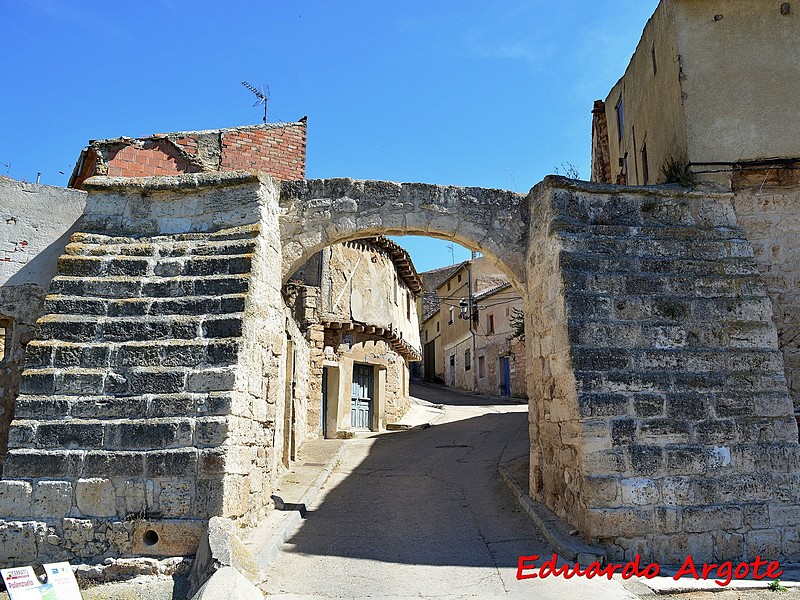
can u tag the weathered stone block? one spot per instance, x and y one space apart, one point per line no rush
167 538
645 460
614 522
712 518
211 431
96 497
172 463
222 327
51 499
766 543
685 459
15 498
211 380
114 464
668 520
71 434
176 498
39 463
638 491
149 434
156 382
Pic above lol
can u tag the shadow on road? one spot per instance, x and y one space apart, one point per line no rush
426 497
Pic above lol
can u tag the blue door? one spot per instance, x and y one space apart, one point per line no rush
361 400
505 376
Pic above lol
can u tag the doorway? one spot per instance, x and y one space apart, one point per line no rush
505 376
361 401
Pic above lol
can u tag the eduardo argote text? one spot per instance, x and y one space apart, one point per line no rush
722 573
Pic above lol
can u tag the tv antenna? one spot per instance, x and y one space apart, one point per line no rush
262 97
452 253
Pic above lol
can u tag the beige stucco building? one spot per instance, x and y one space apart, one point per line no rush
713 83
499 353
466 334
358 303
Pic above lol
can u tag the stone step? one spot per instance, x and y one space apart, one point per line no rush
118 434
73 328
643 232
631 265
56 407
119 287
150 353
93 266
124 307
72 464
233 234
151 248
73 381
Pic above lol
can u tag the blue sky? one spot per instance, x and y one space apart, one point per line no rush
491 94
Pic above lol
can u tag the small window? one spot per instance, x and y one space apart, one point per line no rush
6 326
452 315
467 360
426 335
620 121
508 311
408 305
490 323
459 278
448 286
481 366
437 326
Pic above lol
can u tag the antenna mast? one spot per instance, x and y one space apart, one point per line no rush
262 97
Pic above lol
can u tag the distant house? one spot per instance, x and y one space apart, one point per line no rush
357 302
466 328
499 346
713 87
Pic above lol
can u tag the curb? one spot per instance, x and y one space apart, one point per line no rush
554 530
268 552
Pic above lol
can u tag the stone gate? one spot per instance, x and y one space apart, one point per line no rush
152 400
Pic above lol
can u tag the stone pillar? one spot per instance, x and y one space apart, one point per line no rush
660 419
148 404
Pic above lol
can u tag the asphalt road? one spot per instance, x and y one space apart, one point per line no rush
423 514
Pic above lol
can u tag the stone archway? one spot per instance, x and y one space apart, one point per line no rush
660 420
640 436
321 212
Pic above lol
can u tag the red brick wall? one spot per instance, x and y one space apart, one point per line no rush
152 158
281 152
278 150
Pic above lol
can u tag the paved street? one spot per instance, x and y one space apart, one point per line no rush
423 514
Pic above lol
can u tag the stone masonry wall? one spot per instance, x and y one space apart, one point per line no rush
153 394
766 203
678 436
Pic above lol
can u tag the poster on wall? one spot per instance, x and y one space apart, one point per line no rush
23 584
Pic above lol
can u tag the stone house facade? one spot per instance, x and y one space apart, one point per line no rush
358 303
430 325
499 355
713 85
472 328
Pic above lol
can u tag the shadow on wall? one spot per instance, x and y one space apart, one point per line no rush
41 268
428 497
